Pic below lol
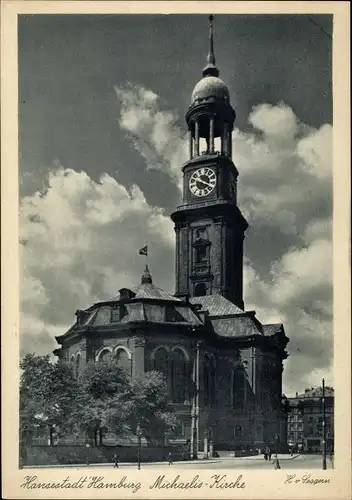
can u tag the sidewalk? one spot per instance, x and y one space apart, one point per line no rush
124 464
280 456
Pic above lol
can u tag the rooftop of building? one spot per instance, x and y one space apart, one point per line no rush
147 303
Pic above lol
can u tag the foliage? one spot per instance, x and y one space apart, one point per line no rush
47 394
102 397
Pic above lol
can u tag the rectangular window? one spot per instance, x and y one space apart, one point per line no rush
115 314
201 254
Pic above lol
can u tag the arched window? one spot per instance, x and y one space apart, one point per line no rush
179 376
209 379
105 355
161 362
73 365
200 290
123 360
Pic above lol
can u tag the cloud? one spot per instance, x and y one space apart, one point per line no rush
79 236
153 130
80 242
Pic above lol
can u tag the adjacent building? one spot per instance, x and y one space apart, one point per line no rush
305 417
222 365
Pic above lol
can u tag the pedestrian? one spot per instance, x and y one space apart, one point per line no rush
116 460
269 454
170 459
265 455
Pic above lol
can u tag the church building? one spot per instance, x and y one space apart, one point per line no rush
222 365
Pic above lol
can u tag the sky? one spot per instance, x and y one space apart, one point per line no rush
102 139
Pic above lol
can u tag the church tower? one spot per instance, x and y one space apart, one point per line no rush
209 225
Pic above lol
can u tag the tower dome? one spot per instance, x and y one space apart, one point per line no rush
210 87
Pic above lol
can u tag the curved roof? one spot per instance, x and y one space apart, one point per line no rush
210 86
150 291
216 305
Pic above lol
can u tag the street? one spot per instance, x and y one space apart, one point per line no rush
301 462
305 462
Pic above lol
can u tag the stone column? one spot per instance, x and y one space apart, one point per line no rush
211 135
224 139
229 144
206 451
194 413
196 137
197 392
190 138
211 448
183 257
138 357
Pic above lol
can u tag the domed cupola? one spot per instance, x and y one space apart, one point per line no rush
210 114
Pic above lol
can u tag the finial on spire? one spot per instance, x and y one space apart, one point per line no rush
146 276
211 69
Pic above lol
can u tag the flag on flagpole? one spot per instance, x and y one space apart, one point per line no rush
144 250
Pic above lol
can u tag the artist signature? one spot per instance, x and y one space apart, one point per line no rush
305 479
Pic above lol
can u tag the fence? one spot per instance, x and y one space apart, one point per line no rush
76 454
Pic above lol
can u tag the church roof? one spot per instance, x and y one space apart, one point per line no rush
272 329
216 305
149 291
241 326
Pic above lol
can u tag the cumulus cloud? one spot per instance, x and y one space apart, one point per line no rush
78 236
154 130
80 242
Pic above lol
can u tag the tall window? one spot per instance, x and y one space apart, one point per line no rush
238 388
123 361
209 380
161 362
179 376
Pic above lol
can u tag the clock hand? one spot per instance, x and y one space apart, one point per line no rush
206 183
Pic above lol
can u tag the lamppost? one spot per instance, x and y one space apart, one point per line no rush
87 457
277 463
139 434
324 426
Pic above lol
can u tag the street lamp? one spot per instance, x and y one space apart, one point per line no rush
87 447
277 463
324 426
139 434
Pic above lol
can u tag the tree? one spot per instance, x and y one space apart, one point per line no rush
149 396
102 397
109 399
47 394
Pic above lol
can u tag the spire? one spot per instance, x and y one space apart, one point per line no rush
146 276
211 69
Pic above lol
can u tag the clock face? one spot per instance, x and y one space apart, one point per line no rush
202 181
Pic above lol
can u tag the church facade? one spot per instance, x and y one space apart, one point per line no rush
222 365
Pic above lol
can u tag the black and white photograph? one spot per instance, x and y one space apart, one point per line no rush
175 248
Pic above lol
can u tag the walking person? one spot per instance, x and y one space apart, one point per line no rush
116 460
269 454
170 459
